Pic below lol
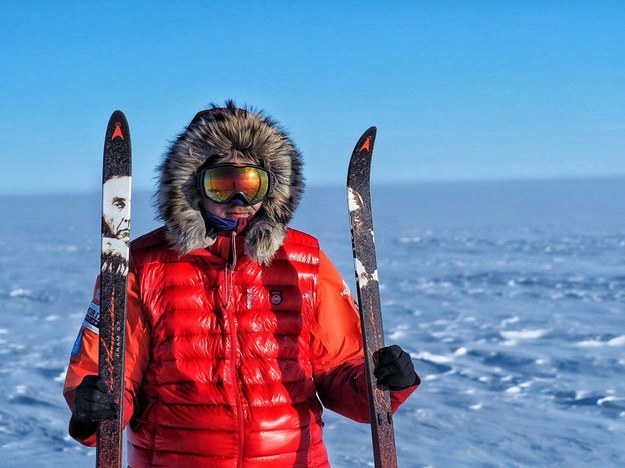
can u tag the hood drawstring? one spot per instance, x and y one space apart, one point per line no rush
231 264
232 256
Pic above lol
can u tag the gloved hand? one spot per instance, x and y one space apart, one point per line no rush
93 403
393 367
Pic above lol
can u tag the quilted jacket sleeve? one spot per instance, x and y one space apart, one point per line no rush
337 351
84 357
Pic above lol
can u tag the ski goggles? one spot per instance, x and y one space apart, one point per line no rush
223 182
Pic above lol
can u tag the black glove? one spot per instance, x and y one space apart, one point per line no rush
395 368
93 403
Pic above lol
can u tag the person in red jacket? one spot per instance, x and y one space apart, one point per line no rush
239 328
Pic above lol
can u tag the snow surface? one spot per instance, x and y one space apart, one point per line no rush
508 296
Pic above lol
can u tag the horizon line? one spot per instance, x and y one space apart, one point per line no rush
335 184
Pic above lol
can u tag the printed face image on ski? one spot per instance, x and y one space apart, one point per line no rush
116 216
355 204
115 224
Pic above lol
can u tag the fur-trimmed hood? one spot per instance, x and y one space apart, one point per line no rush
218 135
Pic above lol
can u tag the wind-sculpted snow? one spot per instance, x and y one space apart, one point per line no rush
509 298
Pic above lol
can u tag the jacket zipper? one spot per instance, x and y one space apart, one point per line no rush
229 305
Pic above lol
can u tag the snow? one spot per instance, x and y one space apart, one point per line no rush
508 296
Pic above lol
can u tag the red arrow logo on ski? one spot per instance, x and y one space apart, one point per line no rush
118 131
366 145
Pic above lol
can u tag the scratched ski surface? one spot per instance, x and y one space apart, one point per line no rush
361 222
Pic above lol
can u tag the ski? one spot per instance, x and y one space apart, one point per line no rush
365 265
116 184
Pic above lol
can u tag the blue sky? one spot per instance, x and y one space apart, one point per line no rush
458 90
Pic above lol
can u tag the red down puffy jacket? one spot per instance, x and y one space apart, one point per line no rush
225 367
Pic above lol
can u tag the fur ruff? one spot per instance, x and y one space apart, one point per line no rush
219 135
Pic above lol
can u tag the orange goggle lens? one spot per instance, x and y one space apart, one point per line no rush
221 183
